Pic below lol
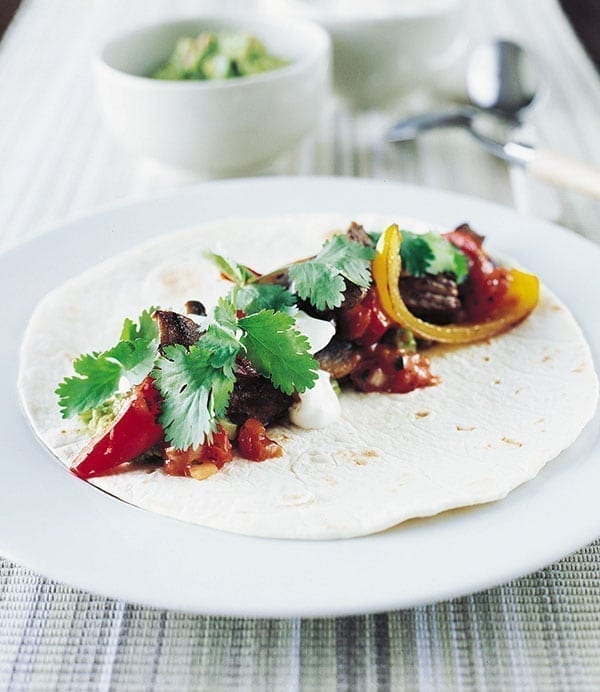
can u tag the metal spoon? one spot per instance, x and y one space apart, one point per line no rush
502 77
503 82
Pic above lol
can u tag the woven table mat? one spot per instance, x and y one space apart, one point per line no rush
536 633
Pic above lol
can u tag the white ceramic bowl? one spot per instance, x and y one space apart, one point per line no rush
382 48
228 127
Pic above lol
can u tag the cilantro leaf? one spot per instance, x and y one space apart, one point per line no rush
256 297
196 384
220 392
322 285
98 381
278 351
146 327
225 314
447 258
222 346
98 374
351 258
194 393
431 253
233 271
416 253
321 279
135 358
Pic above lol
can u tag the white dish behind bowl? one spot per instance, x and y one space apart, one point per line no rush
383 48
224 127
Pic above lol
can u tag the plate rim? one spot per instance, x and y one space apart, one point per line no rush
168 198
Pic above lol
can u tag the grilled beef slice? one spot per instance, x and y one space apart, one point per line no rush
465 228
353 293
432 298
174 328
253 396
338 358
357 233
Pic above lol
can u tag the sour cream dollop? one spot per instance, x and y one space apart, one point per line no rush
318 332
318 407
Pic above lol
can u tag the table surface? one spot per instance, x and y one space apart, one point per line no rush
57 160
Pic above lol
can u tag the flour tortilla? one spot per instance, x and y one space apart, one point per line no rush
503 409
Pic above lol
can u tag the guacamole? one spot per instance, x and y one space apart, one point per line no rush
218 55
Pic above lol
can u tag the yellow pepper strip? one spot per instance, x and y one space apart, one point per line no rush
521 297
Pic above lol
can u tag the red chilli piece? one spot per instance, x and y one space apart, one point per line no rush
134 431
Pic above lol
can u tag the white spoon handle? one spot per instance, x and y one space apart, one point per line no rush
565 171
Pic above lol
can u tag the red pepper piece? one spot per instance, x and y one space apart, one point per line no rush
487 284
366 322
133 432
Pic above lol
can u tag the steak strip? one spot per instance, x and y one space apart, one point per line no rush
174 328
357 234
338 358
254 396
465 228
432 298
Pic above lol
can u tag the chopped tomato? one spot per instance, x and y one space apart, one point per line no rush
364 323
179 461
385 369
219 451
486 286
253 443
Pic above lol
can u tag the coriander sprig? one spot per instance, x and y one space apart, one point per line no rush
320 279
231 269
98 374
279 351
196 384
430 253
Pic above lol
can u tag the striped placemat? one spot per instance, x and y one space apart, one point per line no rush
537 633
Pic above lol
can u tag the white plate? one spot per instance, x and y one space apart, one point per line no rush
71 532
